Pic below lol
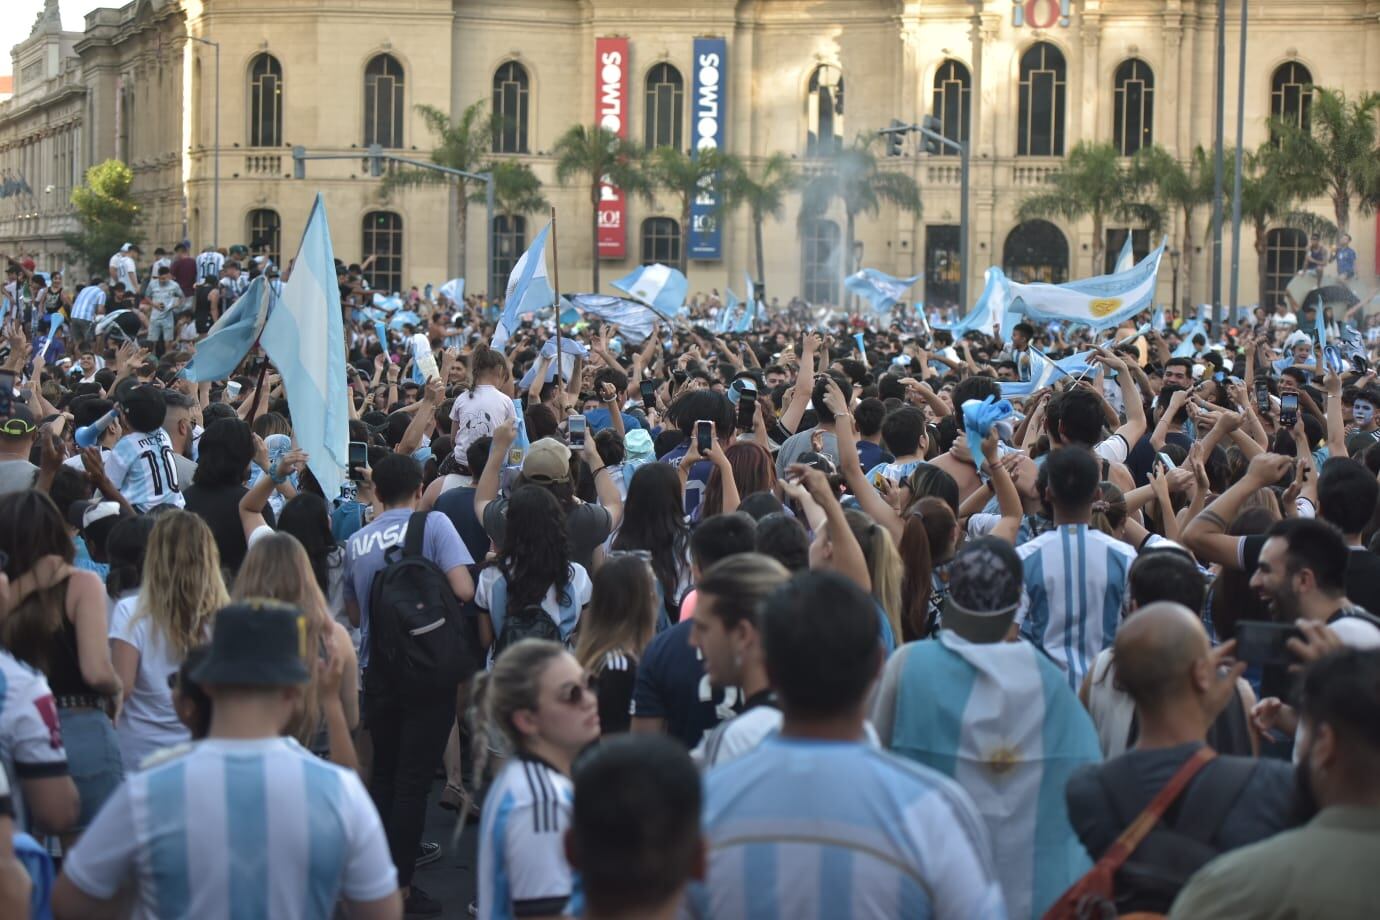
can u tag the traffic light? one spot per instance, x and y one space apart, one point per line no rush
932 146
299 162
896 138
375 160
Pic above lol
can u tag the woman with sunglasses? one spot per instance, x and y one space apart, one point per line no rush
537 710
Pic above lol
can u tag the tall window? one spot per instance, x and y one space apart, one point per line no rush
663 103
266 230
821 250
383 240
383 101
510 108
660 241
265 101
1036 251
1133 107
1286 251
953 88
943 270
1041 125
824 109
510 241
1291 95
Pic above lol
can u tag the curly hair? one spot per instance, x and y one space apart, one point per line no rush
182 587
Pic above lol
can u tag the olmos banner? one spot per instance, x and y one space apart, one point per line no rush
611 113
710 95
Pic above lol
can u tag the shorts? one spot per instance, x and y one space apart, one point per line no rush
161 326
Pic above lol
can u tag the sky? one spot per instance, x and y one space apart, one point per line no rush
20 15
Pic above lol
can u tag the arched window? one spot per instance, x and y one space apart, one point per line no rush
1291 95
382 239
824 109
660 241
1286 251
510 108
265 101
953 88
1041 126
1133 107
1036 251
820 252
383 101
510 242
663 104
266 230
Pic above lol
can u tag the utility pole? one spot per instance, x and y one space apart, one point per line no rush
1219 165
1236 180
932 131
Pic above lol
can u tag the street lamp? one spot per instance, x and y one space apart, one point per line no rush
215 208
1174 266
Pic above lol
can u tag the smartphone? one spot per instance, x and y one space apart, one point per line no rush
1262 395
575 426
1262 642
704 436
1288 410
6 393
648 394
747 410
357 459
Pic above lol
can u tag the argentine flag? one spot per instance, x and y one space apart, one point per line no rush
528 290
454 289
880 290
1187 331
634 320
1102 302
1126 259
992 303
1001 721
659 286
305 337
229 340
570 350
727 318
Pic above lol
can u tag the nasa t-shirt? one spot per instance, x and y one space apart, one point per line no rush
672 685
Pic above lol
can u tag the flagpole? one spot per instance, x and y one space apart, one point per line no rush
556 299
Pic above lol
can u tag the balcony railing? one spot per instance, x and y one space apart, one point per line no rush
263 165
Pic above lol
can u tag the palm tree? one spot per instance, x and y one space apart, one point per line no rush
687 175
1335 155
851 175
1266 198
1093 182
1183 185
765 196
596 153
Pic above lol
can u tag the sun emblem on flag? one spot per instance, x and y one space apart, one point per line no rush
1105 306
1001 760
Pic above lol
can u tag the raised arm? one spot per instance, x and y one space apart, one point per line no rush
847 556
1206 534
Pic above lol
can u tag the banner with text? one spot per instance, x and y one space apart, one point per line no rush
709 115
611 113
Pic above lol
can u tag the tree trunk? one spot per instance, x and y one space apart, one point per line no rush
757 240
1261 266
684 260
847 265
1342 205
1099 245
594 234
1186 262
462 231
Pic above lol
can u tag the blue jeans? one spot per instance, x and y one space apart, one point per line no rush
93 758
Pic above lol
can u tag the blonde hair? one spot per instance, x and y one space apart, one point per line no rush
513 684
277 568
883 564
182 587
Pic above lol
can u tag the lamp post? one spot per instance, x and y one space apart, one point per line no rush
1174 266
215 207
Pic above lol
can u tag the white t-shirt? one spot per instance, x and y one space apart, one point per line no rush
125 270
476 414
255 828
30 733
148 721
522 866
566 616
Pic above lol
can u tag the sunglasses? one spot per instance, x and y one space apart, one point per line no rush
574 694
18 427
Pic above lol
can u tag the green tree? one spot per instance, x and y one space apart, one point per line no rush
685 176
1094 183
1267 197
107 214
594 153
1335 156
764 195
851 176
1186 186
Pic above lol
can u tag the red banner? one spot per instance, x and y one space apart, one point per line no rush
611 113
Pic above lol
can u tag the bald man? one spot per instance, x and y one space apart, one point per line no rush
1179 684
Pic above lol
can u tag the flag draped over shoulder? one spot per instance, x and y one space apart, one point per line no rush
227 342
635 321
880 290
658 286
1001 721
305 337
528 290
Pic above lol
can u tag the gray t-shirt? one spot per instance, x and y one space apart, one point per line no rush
799 443
16 476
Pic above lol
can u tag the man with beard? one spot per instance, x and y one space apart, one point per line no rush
1179 684
1327 867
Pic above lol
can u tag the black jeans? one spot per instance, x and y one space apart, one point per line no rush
409 735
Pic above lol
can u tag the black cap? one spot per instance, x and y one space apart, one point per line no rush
20 422
144 407
256 643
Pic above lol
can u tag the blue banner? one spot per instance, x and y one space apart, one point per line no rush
707 132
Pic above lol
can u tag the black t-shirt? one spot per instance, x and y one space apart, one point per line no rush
617 678
203 304
219 507
671 685
458 505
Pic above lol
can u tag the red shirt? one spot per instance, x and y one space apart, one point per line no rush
184 273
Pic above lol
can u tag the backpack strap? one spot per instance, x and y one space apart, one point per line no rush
416 535
1136 832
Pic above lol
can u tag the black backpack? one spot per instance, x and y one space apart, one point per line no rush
531 622
417 640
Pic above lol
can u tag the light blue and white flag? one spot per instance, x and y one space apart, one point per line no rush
305 337
1102 302
748 316
226 343
1043 373
454 289
635 321
404 318
880 290
570 350
1319 327
659 286
1157 318
728 313
983 317
1126 260
528 290
388 303
1187 348
1001 721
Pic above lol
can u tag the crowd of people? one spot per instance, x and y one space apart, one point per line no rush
816 620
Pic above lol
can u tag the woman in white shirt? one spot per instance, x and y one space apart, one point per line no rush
486 405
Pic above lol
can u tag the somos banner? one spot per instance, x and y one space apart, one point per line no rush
710 95
611 113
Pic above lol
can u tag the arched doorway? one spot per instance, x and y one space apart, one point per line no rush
1036 251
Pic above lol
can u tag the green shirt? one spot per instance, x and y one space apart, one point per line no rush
1325 869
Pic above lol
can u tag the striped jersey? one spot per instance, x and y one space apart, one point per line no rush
30 733
1075 585
209 264
141 466
820 830
89 302
522 866
226 829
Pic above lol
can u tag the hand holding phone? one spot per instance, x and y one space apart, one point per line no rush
704 436
575 426
357 460
1288 410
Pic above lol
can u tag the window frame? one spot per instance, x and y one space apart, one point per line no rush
510 130
265 127
374 92
660 233
1128 75
652 105
1057 70
388 263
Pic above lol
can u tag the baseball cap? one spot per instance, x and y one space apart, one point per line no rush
256 643
20 422
546 461
985 580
